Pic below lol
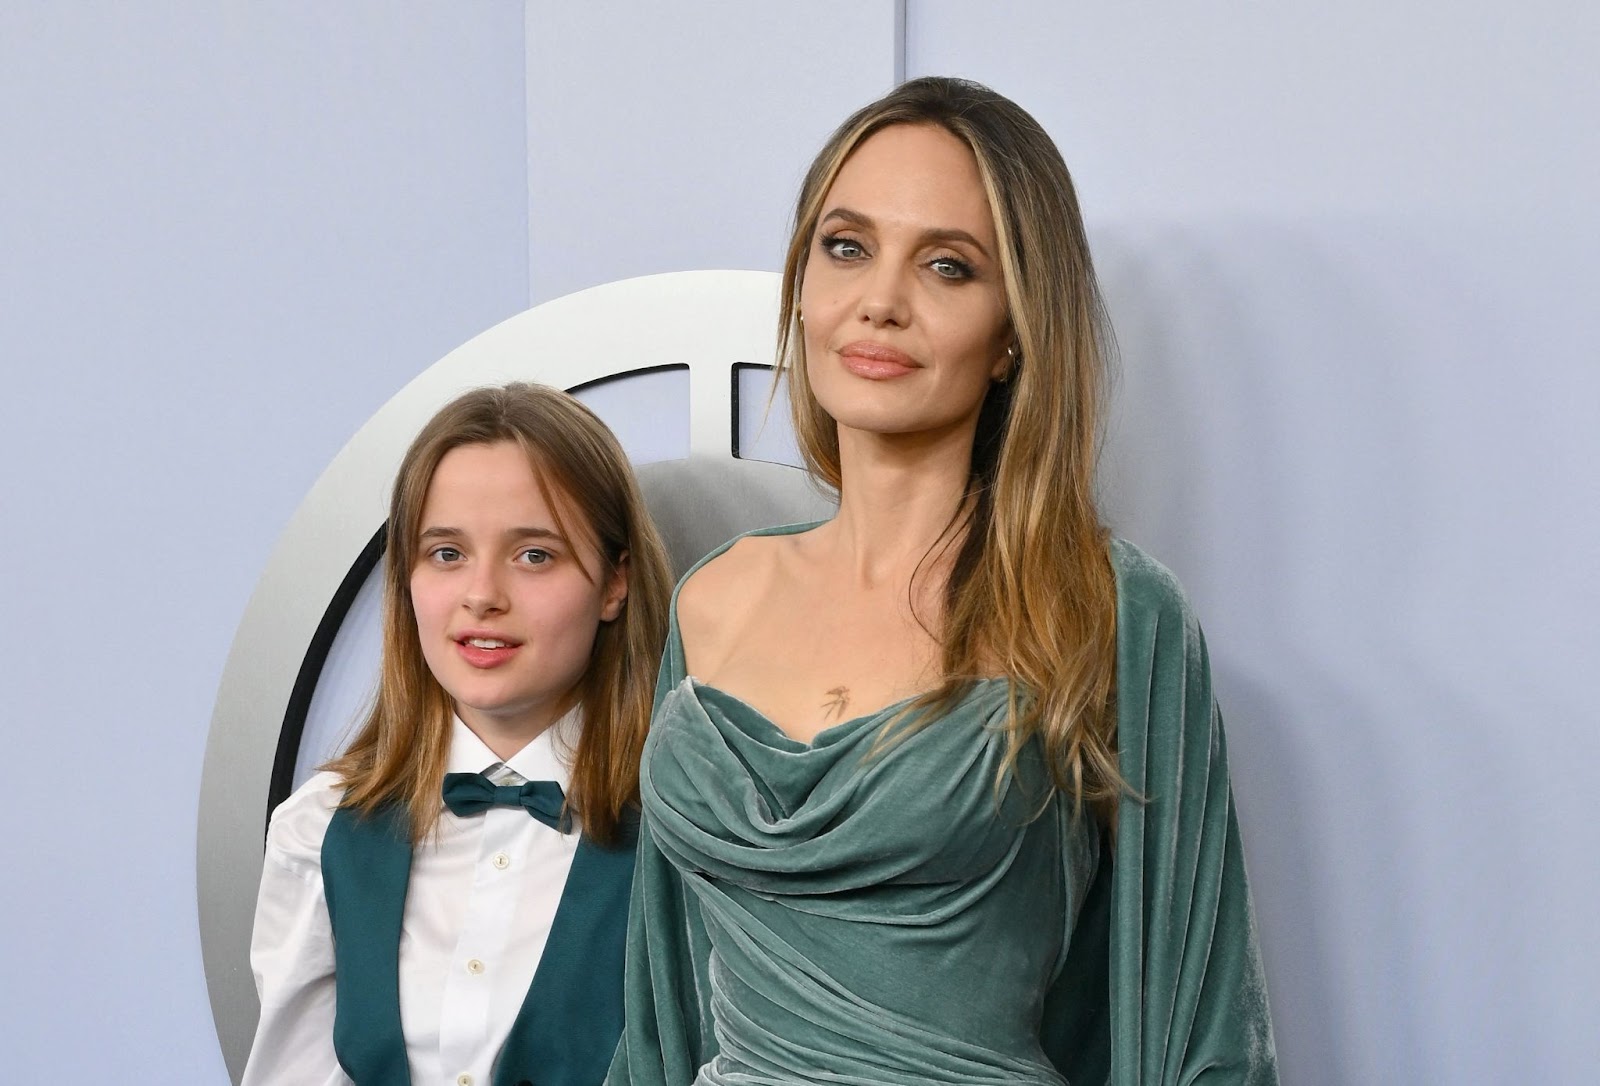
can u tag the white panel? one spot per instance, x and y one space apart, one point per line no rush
649 413
1349 251
348 680
1197 110
671 136
765 432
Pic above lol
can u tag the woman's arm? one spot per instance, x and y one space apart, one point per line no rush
291 951
1170 936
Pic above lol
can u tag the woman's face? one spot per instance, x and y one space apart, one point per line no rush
903 305
506 615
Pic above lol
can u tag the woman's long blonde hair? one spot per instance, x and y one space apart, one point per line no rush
400 753
1031 594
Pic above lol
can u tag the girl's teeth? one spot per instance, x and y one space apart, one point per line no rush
486 643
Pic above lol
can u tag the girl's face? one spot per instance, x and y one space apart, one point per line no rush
903 303
506 615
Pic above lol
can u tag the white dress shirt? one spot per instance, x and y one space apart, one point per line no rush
482 896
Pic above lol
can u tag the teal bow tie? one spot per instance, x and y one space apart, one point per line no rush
470 793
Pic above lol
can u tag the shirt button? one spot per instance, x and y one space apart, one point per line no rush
463 1079
474 965
502 861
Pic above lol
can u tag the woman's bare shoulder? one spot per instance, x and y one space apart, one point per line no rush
717 599
718 584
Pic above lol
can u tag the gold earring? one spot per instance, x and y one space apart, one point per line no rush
1011 370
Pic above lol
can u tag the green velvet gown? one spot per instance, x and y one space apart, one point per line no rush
805 913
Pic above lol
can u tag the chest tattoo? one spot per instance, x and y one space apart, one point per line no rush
838 700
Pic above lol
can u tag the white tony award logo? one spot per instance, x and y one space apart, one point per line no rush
714 328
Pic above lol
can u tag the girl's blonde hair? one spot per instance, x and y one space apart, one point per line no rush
400 753
1031 594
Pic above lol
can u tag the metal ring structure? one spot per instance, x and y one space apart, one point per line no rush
712 323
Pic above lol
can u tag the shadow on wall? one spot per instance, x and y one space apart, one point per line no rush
1265 445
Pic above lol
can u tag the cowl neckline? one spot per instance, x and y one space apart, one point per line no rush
762 727
732 797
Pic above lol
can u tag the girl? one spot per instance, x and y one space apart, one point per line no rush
446 901
936 790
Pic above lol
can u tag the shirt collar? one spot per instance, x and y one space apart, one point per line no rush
546 757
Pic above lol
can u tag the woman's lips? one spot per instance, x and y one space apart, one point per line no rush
486 652
876 362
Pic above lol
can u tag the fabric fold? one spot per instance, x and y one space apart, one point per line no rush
850 912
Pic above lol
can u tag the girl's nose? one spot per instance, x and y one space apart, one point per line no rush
484 594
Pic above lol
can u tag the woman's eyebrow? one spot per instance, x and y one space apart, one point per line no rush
948 234
850 216
933 234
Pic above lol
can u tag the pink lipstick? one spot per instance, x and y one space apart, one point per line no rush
876 361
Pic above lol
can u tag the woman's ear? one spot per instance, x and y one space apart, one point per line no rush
616 590
1005 366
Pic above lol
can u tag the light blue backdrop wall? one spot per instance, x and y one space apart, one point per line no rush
227 233
1351 252
1351 257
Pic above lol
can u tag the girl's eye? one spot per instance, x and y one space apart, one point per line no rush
533 556
842 248
445 554
948 267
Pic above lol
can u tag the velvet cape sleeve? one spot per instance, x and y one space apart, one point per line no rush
1167 932
666 1033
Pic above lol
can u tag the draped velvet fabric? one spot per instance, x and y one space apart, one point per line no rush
855 913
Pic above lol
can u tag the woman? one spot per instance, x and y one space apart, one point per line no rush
936 790
447 900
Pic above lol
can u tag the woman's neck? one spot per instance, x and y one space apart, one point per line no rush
898 499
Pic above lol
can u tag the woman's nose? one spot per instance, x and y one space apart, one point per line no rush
885 299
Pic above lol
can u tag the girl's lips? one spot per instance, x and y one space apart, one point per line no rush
876 362
485 658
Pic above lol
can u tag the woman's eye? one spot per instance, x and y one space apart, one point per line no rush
533 556
948 267
445 554
842 248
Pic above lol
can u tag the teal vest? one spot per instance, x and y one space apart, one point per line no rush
569 1023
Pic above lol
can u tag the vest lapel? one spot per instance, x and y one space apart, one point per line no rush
366 864
568 1026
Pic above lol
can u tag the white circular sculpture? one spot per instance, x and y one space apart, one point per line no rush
708 323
